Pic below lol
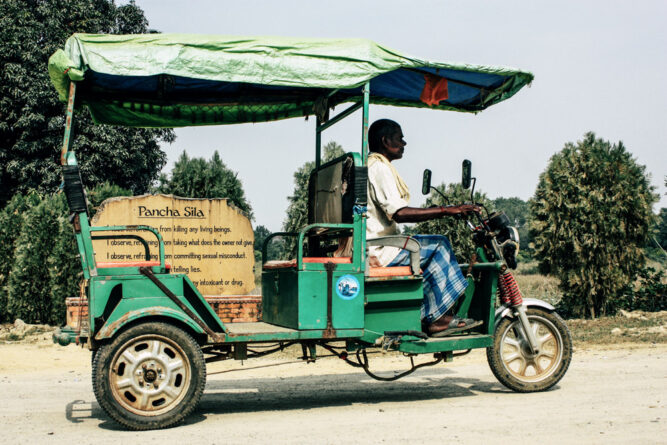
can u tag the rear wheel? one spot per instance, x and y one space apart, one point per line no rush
150 376
512 361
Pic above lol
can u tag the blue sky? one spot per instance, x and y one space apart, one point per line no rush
599 66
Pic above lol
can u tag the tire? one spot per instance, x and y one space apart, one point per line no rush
516 367
150 376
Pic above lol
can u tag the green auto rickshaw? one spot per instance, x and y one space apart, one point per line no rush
152 332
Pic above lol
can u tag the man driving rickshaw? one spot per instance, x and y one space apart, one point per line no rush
388 204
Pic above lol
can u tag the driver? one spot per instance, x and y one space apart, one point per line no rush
388 204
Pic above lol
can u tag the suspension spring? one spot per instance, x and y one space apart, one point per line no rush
509 289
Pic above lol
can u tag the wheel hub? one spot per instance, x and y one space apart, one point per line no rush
149 376
524 364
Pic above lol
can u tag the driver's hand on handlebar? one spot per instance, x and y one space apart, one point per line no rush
464 210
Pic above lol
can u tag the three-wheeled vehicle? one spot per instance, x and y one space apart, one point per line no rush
151 331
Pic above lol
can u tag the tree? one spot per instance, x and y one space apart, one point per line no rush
28 293
11 225
297 210
199 178
591 215
518 211
31 117
39 262
274 249
455 229
661 229
104 191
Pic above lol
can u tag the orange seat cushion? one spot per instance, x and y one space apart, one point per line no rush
326 259
132 264
281 264
395 271
374 272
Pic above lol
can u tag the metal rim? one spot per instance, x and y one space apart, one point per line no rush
517 358
149 375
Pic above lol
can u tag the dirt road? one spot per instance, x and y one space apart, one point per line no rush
608 396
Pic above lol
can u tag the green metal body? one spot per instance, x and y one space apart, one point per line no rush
299 303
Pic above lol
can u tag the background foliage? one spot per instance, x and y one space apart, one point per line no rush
39 263
31 117
455 229
199 178
591 215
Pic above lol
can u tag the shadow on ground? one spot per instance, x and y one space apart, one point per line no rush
227 396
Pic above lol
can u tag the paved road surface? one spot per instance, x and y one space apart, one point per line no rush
608 396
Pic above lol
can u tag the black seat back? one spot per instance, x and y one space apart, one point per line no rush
334 189
76 195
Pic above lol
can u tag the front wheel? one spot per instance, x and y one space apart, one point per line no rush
512 361
150 376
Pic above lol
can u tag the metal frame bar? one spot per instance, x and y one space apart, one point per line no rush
69 119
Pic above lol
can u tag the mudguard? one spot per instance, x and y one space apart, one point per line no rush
110 329
506 311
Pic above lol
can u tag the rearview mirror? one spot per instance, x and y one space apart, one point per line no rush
467 174
426 182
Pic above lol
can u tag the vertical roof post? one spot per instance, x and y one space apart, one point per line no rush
364 126
69 117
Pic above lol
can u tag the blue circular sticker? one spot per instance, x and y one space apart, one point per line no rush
347 287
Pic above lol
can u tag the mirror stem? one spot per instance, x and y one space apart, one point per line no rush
444 198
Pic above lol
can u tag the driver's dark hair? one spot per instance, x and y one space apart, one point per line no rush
379 129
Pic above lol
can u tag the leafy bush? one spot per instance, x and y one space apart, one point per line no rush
649 293
11 224
28 293
39 261
591 215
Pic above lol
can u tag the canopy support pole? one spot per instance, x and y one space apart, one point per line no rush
318 144
364 125
321 126
69 118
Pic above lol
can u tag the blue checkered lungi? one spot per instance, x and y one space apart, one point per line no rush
443 280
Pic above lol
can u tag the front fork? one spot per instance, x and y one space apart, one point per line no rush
519 310
529 334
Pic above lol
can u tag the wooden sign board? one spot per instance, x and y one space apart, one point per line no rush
210 240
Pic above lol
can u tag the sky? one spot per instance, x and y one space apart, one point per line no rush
599 66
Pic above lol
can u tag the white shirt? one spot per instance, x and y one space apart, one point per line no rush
384 200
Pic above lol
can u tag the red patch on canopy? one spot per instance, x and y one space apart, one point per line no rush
435 90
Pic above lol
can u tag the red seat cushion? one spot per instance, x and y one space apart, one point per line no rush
395 271
281 264
326 259
132 264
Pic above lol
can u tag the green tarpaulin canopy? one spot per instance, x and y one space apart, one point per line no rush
173 80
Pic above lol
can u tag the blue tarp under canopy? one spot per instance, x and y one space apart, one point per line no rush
172 80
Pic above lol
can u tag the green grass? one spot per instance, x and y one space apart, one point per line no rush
535 285
649 327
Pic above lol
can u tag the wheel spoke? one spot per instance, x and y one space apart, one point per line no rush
129 357
170 392
143 401
512 357
175 365
545 338
124 383
522 368
156 348
512 342
538 368
548 354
